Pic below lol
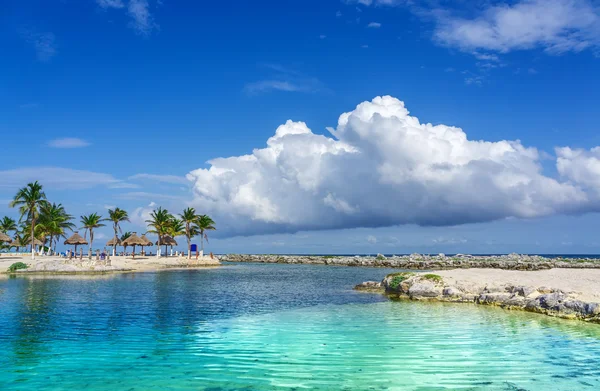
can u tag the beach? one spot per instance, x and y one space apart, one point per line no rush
49 264
581 283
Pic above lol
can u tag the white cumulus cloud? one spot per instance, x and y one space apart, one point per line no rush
382 167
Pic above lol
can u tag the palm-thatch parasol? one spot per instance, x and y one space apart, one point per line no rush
111 243
167 240
134 240
76 240
148 242
16 243
37 242
5 238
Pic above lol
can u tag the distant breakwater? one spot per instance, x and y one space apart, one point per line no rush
426 262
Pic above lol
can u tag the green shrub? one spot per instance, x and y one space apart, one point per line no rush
433 277
17 266
397 278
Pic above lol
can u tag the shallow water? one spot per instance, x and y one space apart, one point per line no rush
263 327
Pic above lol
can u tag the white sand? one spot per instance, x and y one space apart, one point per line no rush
584 282
139 264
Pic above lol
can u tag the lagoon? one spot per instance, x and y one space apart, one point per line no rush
271 327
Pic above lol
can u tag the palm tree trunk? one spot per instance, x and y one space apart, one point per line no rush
115 246
189 247
91 244
201 242
32 238
158 247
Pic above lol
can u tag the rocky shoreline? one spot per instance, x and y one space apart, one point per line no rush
426 262
432 287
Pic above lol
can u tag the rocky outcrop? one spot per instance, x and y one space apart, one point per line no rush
425 262
553 302
370 286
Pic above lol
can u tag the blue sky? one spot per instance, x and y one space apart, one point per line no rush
114 102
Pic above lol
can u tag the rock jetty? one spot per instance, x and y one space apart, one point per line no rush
426 262
432 287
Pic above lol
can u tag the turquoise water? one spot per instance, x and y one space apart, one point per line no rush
267 327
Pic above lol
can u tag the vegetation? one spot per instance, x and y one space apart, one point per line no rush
205 223
398 278
7 224
159 222
89 224
53 223
43 223
432 277
117 216
126 235
190 219
30 199
17 266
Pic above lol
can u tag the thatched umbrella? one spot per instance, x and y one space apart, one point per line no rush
167 240
36 242
76 240
134 240
148 242
5 238
17 244
111 243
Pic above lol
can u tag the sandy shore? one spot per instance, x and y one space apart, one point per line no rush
584 282
139 264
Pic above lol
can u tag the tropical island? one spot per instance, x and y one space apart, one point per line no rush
43 224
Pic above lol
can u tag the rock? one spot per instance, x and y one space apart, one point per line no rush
424 289
369 286
452 291
417 286
426 262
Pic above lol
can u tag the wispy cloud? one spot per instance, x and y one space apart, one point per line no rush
262 86
140 195
110 3
27 106
284 79
173 179
556 26
43 43
68 142
142 20
374 25
56 178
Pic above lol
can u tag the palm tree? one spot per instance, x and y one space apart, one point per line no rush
54 221
123 237
205 223
176 228
90 223
7 224
117 216
30 199
190 218
20 239
159 221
